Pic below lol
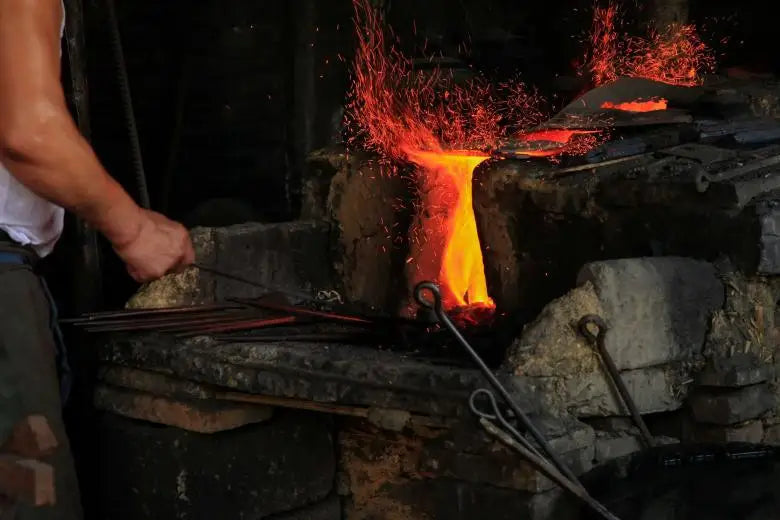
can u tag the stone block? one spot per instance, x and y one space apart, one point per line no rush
189 287
191 415
772 432
726 407
656 389
452 499
751 432
734 371
292 257
611 446
328 509
657 309
152 472
366 205
538 229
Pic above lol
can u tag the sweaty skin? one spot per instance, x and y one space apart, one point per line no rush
42 147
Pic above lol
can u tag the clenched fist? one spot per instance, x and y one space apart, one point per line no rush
161 246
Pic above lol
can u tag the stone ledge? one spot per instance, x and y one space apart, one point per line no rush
733 406
190 415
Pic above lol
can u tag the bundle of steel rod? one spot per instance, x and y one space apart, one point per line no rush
243 319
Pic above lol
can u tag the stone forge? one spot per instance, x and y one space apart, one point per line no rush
686 279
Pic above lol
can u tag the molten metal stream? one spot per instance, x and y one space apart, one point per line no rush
449 250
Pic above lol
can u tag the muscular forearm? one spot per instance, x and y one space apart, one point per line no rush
49 156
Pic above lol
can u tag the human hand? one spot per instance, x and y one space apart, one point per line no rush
161 246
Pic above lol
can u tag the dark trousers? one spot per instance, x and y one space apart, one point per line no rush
29 383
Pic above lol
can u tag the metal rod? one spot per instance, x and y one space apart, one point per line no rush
548 469
436 306
302 311
127 105
236 278
585 325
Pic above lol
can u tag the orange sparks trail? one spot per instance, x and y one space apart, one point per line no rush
422 117
675 55
639 105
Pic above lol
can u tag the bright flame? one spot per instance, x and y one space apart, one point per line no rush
420 117
676 55
649 105
449 250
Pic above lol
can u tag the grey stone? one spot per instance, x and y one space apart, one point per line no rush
152 472
732 406
330 373
328 509
610 446
474 456
292 257
769 221
612 424
734 371
393 420
657 309
751 431
772 434
656 389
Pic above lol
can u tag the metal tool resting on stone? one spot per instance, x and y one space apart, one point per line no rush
554 468
586 326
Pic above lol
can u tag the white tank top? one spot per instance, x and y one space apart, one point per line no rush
27 218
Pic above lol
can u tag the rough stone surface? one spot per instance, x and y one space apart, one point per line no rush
328 509
471 456
537 229
551 346
657 309
190 415
460 473
329 373
364 204
186 288
751 431
733 372
772 434
727 407
612 446
290 256
152 472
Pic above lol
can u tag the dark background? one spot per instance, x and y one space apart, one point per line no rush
231 95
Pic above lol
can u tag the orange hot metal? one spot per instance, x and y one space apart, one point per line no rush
650 105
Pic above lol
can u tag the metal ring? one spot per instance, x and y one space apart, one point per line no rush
592 320
475 408
419 295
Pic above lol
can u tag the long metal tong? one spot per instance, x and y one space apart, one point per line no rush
597 338
554 467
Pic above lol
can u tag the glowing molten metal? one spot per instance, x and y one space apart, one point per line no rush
651 105
449 250
417 116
